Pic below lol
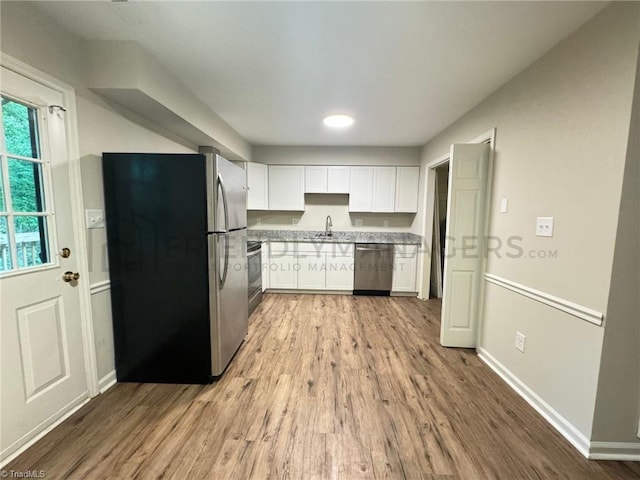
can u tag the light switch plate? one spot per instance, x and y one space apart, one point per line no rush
520 341
94 218
544 227
504 205
385 223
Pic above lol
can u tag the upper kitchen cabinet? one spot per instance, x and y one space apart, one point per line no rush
286 187
407 179
258 181
321 179
361 189
384 189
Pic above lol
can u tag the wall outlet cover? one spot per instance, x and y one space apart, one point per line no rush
358 222
258 221
294 221
94 218
385 223
544 227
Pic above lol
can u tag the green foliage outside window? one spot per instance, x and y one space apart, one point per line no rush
24 177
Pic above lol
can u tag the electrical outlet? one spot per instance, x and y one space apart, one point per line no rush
94 218
294 221
358 222
385 223
258 221
520 341
544 227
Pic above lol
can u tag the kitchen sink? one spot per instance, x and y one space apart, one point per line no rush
320 236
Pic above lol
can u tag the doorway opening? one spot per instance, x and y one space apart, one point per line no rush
439 229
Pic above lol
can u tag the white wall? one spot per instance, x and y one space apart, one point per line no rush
562 134
618 400
34 39
318 206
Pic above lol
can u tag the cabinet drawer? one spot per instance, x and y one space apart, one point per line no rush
282 247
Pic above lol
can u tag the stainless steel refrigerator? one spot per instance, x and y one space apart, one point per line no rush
176 237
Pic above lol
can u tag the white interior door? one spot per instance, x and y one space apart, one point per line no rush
464 246
42 351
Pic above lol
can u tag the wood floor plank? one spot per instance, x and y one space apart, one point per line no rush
324 387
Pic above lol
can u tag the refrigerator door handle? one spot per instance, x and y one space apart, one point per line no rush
225 205
225 268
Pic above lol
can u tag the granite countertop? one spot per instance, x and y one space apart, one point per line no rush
397 238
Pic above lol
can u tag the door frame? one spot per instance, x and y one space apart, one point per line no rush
427 227
77 213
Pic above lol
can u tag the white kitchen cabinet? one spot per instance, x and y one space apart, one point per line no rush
338 179
361 189
321 179
258 182
283 269
340 268
315 179
384 189
311 273
286 187
407 180
405 266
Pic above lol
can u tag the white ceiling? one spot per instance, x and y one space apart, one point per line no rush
272 70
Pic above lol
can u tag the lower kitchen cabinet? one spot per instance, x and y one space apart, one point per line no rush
283 270
405 266
311 271
340 271
310 266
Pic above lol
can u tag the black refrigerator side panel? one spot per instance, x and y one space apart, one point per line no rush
156 235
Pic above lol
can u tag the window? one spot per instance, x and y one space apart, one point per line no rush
24 212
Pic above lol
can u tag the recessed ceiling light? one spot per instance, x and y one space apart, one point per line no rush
338 120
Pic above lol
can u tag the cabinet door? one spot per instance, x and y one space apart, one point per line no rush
384 189
361 189
315 179
258 181
340 271
286 187
311 273
407 180
338 179
405 265
283 271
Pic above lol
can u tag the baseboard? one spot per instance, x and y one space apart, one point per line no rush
561 424
627 452
108 381
22 444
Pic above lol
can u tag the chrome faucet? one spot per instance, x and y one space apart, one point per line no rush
327 226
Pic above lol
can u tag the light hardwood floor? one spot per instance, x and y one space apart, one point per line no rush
324 387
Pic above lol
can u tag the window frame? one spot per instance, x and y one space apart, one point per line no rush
48 212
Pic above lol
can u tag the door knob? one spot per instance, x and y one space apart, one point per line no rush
70 276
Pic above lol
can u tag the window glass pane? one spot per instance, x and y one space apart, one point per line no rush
2 204
25 183
31 243
5 250
20 129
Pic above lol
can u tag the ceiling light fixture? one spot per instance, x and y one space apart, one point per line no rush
338 120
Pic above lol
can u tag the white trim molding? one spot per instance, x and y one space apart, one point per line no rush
30 438
580 311
108 381
561 424
100 287
619 451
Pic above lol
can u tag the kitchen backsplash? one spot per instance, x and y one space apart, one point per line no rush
318 206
